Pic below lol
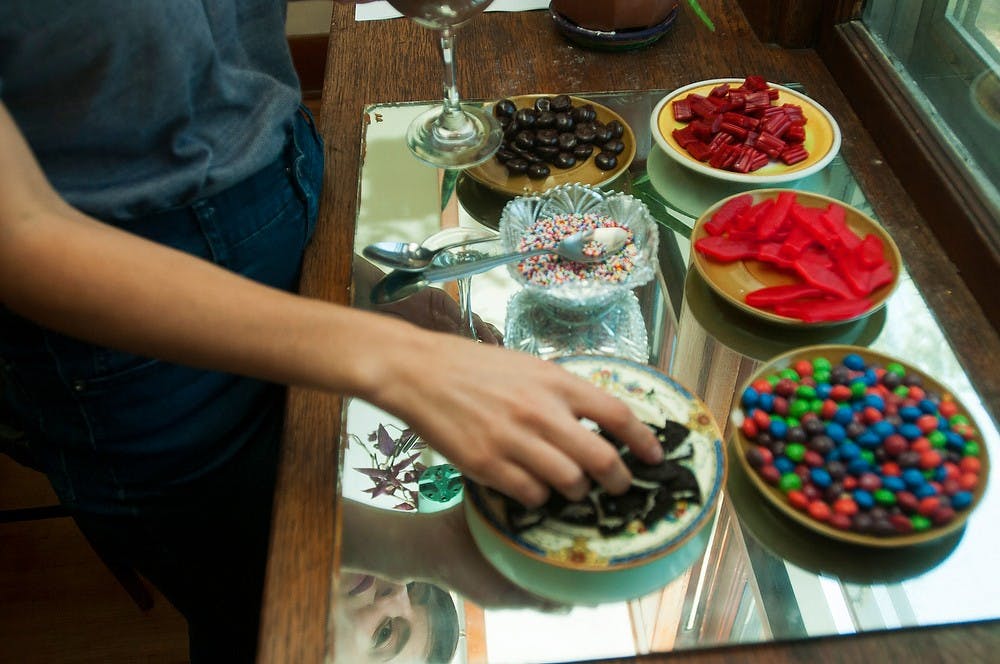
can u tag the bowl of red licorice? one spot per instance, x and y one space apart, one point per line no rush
860 446
795 258
745 130
543 220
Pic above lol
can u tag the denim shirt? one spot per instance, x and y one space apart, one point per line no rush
136 106
177 121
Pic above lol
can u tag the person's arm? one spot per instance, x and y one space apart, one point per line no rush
507 419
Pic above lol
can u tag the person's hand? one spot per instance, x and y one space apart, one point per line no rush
431 308
511 421
434 309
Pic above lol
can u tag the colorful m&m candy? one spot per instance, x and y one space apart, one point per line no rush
862 447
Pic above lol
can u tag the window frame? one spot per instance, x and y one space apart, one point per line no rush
945 191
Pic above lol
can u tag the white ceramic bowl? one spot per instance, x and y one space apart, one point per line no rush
521 213
822 137
575 563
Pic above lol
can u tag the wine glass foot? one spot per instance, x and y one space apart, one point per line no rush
471 141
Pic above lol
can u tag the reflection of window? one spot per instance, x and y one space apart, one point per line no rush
948 52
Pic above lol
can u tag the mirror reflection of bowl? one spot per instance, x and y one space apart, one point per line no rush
611 548
985 93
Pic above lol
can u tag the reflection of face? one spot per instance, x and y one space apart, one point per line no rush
382 624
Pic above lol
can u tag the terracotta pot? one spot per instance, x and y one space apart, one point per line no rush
612 15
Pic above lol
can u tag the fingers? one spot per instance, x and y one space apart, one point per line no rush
513 480
560 470
487 332
615 417
593 457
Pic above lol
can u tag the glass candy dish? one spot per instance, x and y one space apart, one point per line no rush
521 214
615 330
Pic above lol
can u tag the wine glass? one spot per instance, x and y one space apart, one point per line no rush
450 135
460 255
464 286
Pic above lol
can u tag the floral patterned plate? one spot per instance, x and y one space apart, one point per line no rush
577 561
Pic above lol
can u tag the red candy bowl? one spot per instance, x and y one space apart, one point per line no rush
859 446
795 258
745 130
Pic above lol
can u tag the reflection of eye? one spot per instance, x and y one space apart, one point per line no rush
390 637
382 634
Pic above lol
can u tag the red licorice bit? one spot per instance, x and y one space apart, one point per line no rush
757 102
745 121
793 155
682 110
701 106
737 131
769 144
755 82
721 90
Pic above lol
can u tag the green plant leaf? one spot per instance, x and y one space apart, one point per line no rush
643 189
448 183
696 7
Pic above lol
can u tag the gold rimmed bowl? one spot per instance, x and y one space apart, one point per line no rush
736 279
870 450
598 550
495 175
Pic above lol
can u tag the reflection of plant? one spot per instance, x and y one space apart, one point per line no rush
394 469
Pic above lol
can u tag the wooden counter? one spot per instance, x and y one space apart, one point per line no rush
506 54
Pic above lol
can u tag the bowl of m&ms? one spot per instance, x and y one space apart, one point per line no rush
860 446
541 221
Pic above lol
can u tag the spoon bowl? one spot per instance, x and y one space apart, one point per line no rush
413 256
589 246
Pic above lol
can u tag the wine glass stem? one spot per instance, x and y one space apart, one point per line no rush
452 118
465 306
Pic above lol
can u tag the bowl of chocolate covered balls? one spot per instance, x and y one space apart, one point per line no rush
860 446
542 220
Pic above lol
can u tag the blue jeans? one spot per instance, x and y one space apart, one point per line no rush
114 431
167 468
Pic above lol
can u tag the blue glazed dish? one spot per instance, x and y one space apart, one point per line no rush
613 40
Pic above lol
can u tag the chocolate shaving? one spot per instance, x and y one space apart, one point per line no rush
655 491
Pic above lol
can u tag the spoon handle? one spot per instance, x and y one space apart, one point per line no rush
452 272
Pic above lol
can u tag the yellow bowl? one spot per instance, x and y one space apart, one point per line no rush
822 136
732 281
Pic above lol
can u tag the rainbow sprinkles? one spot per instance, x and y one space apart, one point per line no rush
552 270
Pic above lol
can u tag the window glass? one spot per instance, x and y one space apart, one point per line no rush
948 52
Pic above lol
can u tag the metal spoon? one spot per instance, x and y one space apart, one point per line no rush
400 284
411 256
